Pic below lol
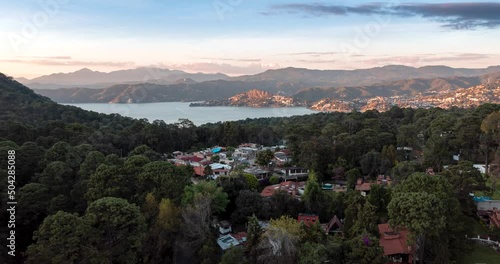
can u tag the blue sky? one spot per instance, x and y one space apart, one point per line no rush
243 36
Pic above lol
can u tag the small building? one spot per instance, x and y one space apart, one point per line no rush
494 216
384 180
308 219
258 173
395 244
225 227
363 187
334 226
294 172
487 205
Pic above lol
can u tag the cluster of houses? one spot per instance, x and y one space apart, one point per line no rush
220 161
394 243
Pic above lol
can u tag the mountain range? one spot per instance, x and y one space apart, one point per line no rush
296 77
96 79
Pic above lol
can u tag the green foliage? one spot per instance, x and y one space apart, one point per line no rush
252 181
312 253
254 232
274 180
364 249
313 195
352 176
120 228
64 238
163 180
264 157
208 190
248 203
234 255
465 180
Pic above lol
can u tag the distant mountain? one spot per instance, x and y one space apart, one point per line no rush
308 78
95 79
149 92
409 87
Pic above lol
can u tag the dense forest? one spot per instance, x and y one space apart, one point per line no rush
96 188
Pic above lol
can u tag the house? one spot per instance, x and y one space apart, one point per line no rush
395 244
258 173
230 240
384 180
487 205
295 189
494 216
308 219
224 227
363 187
334 226
294 172
282 157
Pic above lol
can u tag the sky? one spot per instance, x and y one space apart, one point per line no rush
237 37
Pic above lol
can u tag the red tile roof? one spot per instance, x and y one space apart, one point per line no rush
308 219
392 242
363 187
199 170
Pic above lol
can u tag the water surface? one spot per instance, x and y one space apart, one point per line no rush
171 112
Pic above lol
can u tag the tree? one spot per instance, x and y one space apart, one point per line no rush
421 213
491 128
312 253
58 177
364 249
163 180
120 228
371 163
352 176
64 238
254 232
379 197
196 223
264 157
34 200
207 171
252 181
280 241
465 180
234 255
248 203
215 158
207 190
404 169
313 195
274 180
426 205
158 245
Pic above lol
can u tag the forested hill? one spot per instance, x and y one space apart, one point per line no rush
95 188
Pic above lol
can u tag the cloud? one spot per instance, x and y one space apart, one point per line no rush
45 57
467 15
229 69
61 61
422 59
318 61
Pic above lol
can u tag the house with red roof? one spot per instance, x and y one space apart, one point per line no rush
395 244
308 219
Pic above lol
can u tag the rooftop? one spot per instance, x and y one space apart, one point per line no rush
393 242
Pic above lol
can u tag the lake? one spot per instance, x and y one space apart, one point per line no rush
171 112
